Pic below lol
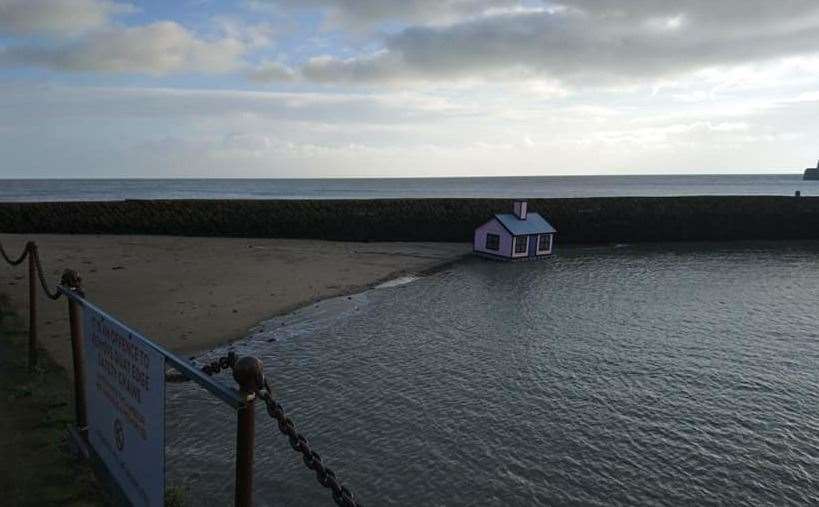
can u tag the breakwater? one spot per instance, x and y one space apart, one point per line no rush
580 220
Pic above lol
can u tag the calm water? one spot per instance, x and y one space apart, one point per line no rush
557 186
673 374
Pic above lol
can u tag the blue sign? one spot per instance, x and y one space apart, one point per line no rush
125 396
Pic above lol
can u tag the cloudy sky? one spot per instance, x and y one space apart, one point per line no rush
355 88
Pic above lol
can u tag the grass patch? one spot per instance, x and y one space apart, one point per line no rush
35 409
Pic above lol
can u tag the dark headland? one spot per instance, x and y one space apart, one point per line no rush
578 220
812 173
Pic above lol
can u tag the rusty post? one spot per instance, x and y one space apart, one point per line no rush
32 305
71 280
249 374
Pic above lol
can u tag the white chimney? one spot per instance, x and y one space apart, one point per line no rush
520 209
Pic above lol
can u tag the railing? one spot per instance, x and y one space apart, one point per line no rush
35 271
248 372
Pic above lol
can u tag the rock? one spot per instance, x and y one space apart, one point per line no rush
811 173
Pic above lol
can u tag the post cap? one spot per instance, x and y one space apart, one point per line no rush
71 279
248 372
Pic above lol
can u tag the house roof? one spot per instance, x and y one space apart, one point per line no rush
534 224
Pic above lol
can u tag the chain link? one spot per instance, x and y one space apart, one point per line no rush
31 249
51 295
15 262
223 363
210 369
312 460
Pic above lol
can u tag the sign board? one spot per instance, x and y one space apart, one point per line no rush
125 397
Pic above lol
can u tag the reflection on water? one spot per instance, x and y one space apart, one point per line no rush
666 373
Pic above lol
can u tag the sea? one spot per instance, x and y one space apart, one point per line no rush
662 374
395 188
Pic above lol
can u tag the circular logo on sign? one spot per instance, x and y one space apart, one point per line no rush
119 434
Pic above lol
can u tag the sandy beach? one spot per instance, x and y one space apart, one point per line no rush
191 294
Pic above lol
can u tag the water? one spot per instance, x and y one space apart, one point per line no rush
671 374
556 186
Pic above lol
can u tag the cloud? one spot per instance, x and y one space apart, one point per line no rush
81 35
253 144
51 130
573 43
50 103
360 14
583 42
271 71
57 17
258 35
158 48
381 67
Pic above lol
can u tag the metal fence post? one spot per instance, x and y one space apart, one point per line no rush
71 280
32 305
248 372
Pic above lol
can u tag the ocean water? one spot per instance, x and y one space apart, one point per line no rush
533 187
683 374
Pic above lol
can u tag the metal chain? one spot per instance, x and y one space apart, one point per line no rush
17 261
31 249
342 496
325 476
210 369
223 363
51 295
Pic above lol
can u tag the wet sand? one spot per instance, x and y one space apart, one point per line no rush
191 294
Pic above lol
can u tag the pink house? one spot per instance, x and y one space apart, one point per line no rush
515 236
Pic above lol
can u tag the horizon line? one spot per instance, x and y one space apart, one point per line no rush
629 175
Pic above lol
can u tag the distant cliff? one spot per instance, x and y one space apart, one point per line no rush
588 220
811 173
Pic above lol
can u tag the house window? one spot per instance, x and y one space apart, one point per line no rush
521 244
544 243
492 242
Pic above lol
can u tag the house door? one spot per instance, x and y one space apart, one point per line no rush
533 245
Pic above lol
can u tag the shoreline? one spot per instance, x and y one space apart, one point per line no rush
292 320
398 261
195 294
321 314
351 293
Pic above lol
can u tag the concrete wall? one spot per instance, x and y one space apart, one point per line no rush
586 220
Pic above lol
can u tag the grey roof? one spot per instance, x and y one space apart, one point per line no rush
534 224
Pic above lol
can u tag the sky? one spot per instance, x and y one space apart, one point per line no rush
386 88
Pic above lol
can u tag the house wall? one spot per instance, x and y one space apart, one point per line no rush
493 227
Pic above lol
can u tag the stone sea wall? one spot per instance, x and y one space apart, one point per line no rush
586 220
